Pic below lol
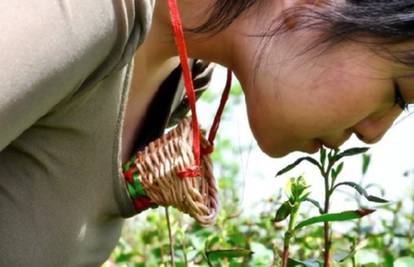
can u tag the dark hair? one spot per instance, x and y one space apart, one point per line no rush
222 14
388 21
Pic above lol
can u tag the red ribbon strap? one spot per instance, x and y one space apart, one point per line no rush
217 118
189 87
188 80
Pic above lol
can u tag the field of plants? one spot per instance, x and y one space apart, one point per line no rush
293 227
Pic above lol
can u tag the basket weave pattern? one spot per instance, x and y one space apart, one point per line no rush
159 165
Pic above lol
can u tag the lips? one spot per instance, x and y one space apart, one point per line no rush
331 145
335 144
336 140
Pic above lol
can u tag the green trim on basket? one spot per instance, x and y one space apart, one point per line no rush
138 186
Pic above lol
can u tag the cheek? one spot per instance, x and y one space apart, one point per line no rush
276 134
255 114
331 94
264 123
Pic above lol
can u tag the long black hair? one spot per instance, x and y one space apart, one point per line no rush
387 21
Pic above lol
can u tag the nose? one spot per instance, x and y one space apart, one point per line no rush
371 129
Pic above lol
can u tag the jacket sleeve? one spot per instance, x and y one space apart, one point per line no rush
47 49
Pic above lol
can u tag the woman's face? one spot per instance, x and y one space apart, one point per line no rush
300 98
298 101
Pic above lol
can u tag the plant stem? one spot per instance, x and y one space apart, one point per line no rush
327 251
353 261
288 235
285 255
167 215
326 230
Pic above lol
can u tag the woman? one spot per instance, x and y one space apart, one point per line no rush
73 107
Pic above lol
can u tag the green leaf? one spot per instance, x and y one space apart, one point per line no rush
366 160
322 156
362 192
296 163
336 171
332 154
228 253
388 260
238 239
339 168
335 217
351 152
315 203
295 263
283 212
124 257
307 263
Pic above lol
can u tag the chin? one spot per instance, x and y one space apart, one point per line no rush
278 154
274 152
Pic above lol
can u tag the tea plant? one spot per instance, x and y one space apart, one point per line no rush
330 166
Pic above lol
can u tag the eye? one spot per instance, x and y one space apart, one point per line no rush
399 99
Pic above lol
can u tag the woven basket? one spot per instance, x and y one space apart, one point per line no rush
159 165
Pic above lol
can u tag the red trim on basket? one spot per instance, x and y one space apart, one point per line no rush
129 174
142 203
192 171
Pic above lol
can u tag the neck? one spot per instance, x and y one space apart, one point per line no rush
160 46
234 47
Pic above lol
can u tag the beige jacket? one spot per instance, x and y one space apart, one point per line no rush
64 79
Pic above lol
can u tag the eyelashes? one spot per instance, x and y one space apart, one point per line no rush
399 99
